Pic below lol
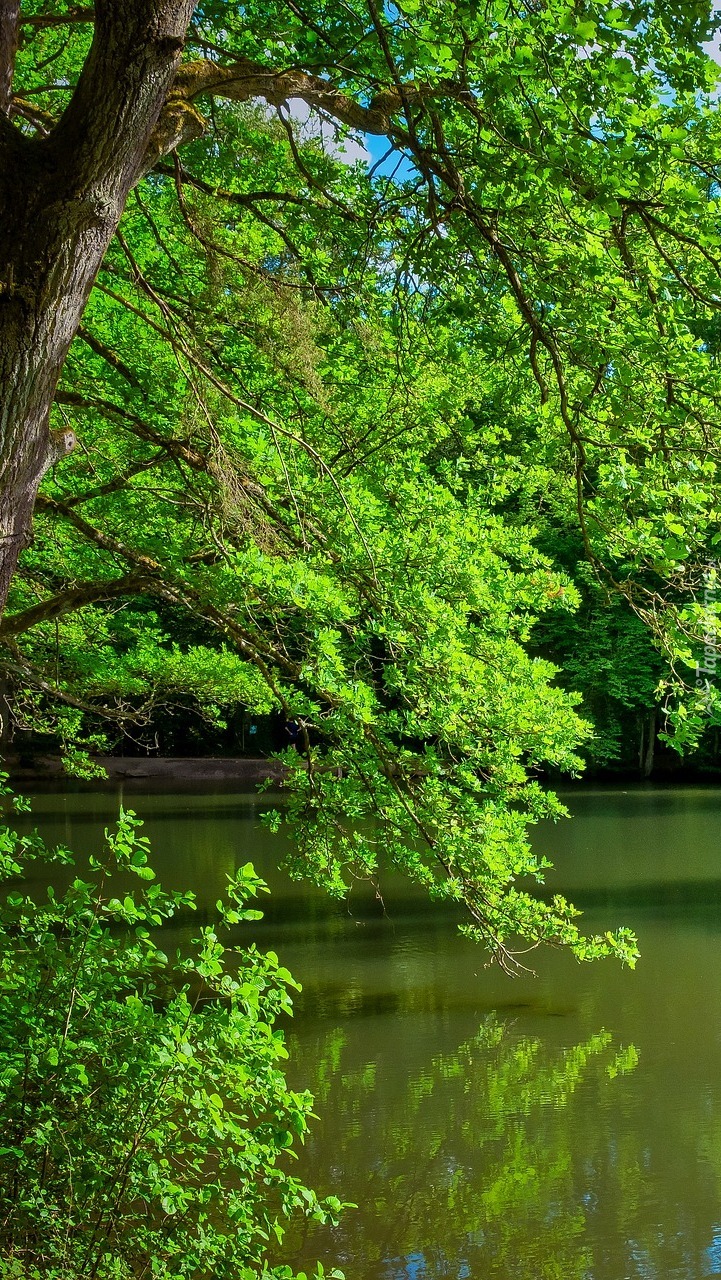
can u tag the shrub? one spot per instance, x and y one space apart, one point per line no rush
145 1120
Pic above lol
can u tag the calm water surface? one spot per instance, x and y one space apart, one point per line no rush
565 1126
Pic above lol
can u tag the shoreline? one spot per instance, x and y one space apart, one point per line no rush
167 769
249 771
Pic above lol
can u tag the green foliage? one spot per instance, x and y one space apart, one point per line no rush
338 423
146 1121
380 601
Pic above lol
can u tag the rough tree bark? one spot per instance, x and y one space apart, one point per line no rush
61 198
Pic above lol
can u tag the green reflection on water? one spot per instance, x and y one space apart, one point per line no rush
469 1168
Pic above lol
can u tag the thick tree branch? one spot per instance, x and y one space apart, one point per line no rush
15 663
245 199
146 564
178 449
131 584
118 483
62 197
109 356
39 20
245 80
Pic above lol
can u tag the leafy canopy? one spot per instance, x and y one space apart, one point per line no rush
331 414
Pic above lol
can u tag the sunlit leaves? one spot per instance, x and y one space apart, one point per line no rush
146 1117
343 422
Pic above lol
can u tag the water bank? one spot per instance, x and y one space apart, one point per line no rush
245 771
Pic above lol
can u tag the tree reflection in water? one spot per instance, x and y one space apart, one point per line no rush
469 1168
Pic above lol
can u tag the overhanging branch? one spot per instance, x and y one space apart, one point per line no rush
245 80
131 584
39 20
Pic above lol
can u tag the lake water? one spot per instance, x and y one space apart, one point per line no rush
565 1126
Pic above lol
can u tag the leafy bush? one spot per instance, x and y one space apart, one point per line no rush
145 1120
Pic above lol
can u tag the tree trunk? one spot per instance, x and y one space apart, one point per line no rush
61 199
648 754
